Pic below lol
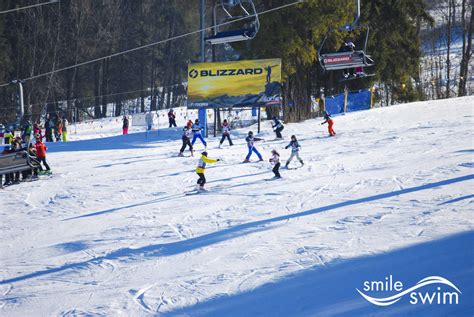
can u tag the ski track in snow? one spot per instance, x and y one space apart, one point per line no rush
112 233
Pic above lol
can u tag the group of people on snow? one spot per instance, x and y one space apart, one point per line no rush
36 150
194 131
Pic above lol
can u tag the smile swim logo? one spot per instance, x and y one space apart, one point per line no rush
193 73
439 296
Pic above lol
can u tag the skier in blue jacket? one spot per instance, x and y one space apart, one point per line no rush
250 144
295 148
197 134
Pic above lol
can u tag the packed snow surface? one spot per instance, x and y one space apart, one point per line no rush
112 232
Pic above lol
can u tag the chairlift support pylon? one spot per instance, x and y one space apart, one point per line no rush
350 59
244 34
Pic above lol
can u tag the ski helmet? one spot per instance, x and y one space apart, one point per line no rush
204 153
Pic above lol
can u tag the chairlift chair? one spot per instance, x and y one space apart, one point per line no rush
346 60
235 35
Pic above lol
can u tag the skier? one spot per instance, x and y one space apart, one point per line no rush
59 129
187 132
37 130
35 170
275 159
295 148
149 120
10 176
171 118
201 169
197 133
49 126
8 137
225 133
347 46
27 132
277 127
41 152
16 147
125 125
330 123
250 144
65 123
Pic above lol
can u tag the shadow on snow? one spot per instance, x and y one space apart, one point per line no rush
173 248
331 290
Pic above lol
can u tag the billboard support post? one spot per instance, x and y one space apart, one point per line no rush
215 121
259 116
202 116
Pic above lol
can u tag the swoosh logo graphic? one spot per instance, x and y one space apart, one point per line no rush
386 301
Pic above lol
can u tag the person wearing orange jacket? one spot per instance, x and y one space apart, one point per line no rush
330 123
41 152
201 168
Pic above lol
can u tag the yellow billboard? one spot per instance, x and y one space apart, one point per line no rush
234 84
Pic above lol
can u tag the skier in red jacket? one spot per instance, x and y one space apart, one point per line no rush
41 152
330 123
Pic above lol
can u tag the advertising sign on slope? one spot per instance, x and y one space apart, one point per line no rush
252 83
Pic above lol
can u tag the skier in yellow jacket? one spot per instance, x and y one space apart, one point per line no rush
201 168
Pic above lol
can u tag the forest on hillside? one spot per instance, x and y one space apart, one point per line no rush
40 45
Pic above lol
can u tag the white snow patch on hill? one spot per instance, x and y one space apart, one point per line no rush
112 232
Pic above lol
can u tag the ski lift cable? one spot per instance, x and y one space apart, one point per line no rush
30 6
159 42
94 97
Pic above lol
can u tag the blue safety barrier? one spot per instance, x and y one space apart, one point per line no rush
335 104
356 101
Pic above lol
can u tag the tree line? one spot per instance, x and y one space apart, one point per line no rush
70 32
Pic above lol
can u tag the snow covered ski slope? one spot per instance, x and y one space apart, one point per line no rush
112 232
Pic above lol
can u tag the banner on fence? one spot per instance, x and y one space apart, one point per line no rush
251 83
358 100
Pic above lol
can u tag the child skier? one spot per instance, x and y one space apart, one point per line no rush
125 125
41 152
295 148
277 127
37 130
197 133
330 123
201 169
225 133
187 133
275 159
250 144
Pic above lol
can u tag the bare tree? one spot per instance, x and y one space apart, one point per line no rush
466 46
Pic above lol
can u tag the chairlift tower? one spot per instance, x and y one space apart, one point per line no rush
22 103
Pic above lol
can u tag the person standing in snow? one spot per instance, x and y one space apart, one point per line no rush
125 125
275 160
295 148
225 133
277 127
186 138
172 118
149 120
202 168
330 122
250 144
41 152
59 129
49 126
65 123
197 134
27 129
37 130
